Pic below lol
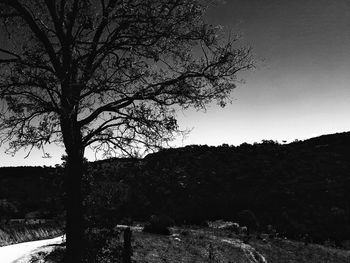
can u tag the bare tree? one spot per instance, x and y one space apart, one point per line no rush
107 74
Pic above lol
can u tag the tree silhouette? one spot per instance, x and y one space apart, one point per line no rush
107 74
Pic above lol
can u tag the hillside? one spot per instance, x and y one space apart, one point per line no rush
301 188
26 189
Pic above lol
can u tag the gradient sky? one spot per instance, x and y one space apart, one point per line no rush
300 89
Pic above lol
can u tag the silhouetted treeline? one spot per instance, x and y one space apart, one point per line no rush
299 188
26 189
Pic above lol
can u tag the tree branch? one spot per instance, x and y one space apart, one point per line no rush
56 21
113 106
41 36
9 53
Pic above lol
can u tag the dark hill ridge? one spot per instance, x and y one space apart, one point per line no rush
334 139
300 188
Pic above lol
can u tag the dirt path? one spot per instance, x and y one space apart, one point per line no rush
249 251
20 253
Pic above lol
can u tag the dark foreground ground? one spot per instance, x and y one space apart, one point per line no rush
209 245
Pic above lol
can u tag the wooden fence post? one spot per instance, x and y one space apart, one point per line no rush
127 250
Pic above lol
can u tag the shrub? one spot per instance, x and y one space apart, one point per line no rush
159 225
247 218
102 245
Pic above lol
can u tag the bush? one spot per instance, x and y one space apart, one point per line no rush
247 218
102 245
159 225
7 209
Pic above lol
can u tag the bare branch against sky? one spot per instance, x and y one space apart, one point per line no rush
126 75
300 89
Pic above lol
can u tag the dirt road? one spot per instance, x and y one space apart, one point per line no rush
20 253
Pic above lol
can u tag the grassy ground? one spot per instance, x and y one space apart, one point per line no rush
56 256
17 233
191 247
208 245
287 251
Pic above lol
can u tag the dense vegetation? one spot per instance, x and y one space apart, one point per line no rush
27 189
301 188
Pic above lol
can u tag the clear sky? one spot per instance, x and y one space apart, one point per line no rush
300 89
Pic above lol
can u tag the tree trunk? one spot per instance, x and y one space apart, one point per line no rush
74 171
74 219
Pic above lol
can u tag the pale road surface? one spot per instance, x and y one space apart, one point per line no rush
20 253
